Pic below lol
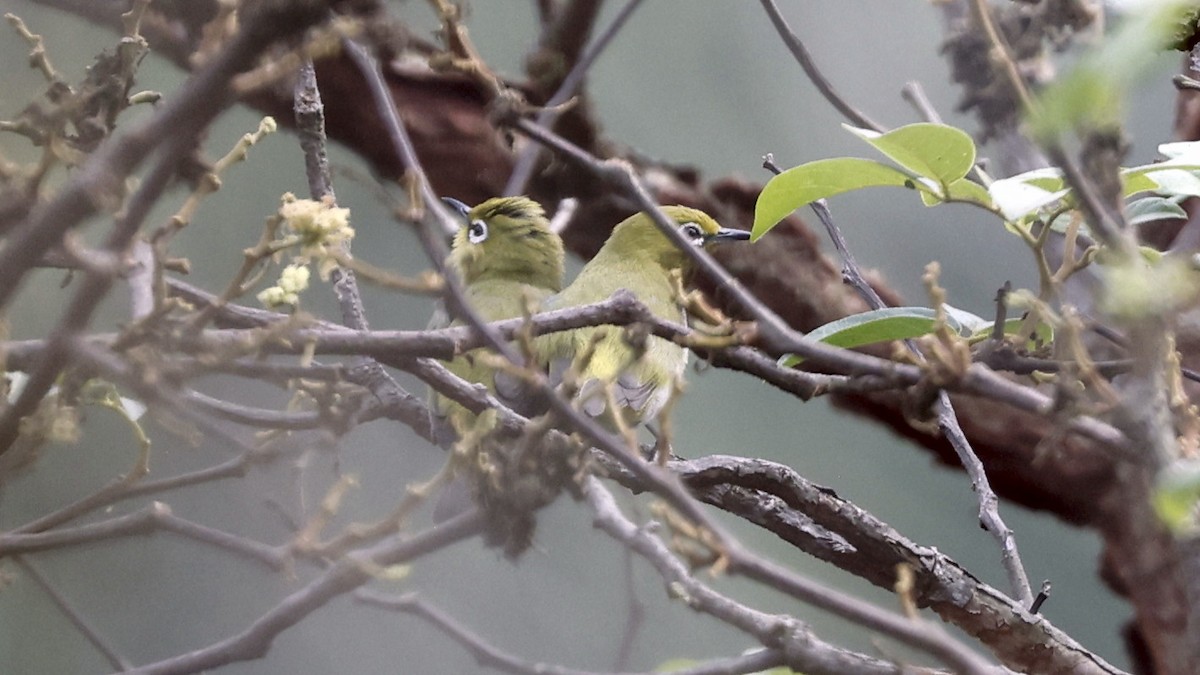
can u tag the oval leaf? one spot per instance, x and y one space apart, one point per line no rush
1150 209
1018 198
817 180
1169 177
1176 182
965 322
936 151
1181 150
880 325
961 190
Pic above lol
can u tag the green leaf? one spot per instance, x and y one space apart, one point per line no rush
1020 196
817 180
1135 183
1047 177
1185 150
880 325
965 322
939 152
1179 182
961 190
1149 209
1175 176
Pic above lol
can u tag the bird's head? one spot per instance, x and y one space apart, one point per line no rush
507 238
639 236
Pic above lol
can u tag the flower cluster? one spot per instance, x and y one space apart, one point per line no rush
321 231
292 282
322 228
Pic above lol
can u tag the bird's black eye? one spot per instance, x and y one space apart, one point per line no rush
477 231
693 232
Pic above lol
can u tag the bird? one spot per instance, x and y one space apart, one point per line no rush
639 258
507 259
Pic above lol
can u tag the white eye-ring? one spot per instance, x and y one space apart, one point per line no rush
693 232
477 231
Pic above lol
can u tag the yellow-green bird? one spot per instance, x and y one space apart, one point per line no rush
637 257
506 257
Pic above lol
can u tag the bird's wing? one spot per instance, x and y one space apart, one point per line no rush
636 399
440 318
516 393
632 393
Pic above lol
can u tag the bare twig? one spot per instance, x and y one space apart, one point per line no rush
122 489
258 417
346 574
490 656
527 160
310 121
989 507
635 614
914 93
805 651
155 517
73 615
796 46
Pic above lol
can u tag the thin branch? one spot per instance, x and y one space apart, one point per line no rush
805 651
344 575
798 50
73 615
635 613
122 489
310 128
1001 52
867 373
310 122
914 632
153 518
140 278
1105 220
816 520
989 505
489 656
258 417
527 160
914 94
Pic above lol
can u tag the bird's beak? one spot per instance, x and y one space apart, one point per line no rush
726 234
453 203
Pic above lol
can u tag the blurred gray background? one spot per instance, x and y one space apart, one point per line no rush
702 82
